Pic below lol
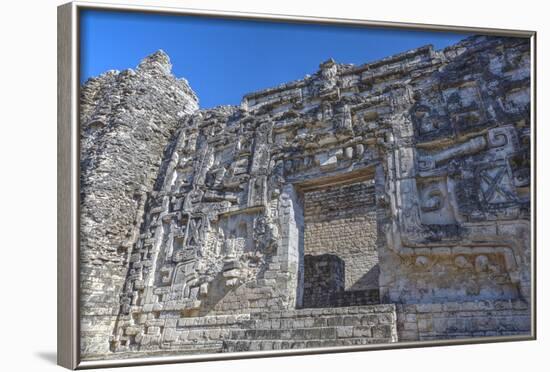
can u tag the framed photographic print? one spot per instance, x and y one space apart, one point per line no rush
237 185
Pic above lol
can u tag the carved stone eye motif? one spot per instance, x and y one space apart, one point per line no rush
432 200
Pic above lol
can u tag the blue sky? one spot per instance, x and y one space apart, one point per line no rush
224 59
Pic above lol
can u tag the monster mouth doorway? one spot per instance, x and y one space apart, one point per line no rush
338 257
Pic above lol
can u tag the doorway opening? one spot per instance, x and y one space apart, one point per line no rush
340 234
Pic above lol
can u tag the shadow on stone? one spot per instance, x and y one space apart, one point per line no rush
369 280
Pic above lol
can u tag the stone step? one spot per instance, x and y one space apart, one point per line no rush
265 345
375 331
322 312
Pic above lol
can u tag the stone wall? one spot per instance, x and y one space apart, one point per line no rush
324 284
324 276
457 184
451 320
341 220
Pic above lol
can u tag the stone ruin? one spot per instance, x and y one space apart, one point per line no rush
362 204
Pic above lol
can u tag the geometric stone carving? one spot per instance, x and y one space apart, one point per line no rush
195 231
496 185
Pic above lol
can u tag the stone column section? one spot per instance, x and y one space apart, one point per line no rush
128 119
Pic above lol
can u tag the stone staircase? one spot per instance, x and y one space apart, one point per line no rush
312 328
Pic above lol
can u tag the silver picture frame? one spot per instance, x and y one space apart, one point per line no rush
68 332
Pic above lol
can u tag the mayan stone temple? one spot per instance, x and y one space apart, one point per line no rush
378 203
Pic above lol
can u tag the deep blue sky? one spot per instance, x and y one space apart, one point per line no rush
225 59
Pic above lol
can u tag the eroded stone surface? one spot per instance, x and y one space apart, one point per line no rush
127 120
413 171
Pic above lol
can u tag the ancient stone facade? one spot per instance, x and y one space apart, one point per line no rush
362 204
